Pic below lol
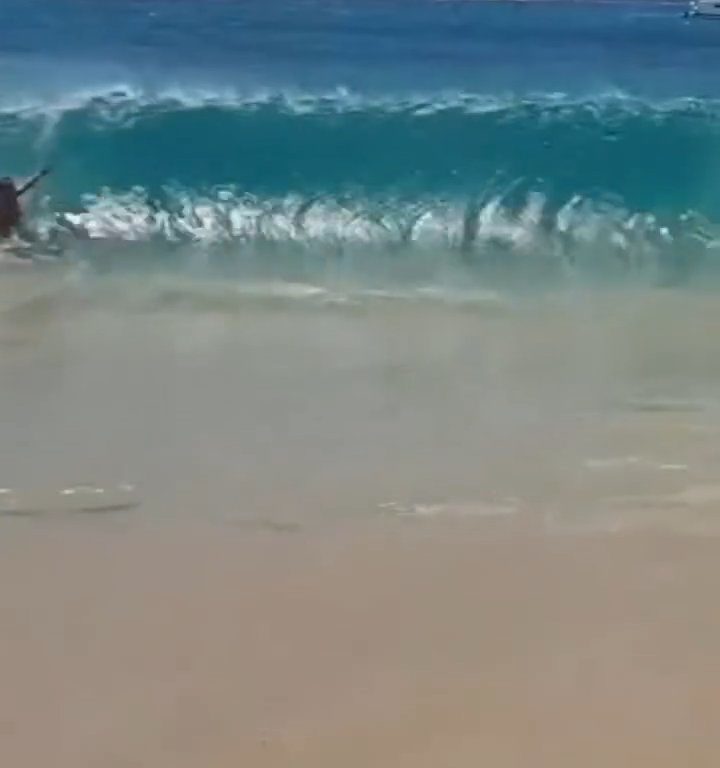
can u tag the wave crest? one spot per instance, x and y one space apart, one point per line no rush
658 157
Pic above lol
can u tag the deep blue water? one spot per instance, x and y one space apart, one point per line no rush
402 121
391 46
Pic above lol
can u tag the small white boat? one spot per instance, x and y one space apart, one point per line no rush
703 9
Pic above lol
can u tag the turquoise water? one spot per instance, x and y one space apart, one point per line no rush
587 134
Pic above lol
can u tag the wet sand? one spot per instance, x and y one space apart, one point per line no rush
373 534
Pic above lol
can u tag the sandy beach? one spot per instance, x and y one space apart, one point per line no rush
400 646
358 535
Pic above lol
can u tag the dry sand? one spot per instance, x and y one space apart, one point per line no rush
419 644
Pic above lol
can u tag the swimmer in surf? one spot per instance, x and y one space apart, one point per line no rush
10 209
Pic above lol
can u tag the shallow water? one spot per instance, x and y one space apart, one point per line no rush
571 409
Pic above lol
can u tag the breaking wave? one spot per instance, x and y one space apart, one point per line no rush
548 183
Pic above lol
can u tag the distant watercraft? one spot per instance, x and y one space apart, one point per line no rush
703 9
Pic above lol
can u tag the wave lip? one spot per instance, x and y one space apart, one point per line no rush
340 99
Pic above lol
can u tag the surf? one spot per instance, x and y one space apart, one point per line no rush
651 155
546 183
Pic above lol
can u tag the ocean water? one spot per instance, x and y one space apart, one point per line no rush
419 142
380 258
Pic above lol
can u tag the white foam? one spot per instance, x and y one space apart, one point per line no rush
123 97
226 216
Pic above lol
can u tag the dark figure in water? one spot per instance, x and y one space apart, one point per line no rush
10 209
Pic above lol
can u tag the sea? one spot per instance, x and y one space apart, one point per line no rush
362 257
532 140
